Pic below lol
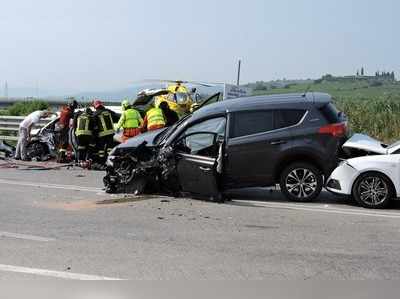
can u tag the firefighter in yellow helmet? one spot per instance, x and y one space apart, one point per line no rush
104 123
130 121
153 120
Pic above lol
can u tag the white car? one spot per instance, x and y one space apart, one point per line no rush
373 179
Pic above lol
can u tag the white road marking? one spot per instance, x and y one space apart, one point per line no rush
322 209
25 237
50 186
50 273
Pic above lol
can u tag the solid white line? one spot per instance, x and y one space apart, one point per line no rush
50 186
322 209
50 273
25 237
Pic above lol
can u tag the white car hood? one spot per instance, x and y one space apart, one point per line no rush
366 143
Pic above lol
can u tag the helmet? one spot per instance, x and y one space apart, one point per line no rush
125 105
97 104
73 104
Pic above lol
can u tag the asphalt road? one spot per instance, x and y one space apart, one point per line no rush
59 224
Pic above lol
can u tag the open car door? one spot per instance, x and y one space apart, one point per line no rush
199 164
212 99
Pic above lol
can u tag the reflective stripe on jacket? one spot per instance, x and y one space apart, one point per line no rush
106 126
155 117
130 119
83 125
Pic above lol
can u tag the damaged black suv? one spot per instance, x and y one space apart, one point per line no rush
292 140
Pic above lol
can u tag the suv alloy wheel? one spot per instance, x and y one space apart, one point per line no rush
301 182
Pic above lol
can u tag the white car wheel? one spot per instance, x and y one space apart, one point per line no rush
373 190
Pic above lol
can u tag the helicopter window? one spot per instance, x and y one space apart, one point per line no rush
180 97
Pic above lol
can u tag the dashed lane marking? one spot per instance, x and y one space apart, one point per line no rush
50 273
25 237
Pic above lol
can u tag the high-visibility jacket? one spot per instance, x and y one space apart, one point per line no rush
155 117
105 124
130 119
84 125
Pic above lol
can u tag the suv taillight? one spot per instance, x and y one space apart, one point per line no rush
336 130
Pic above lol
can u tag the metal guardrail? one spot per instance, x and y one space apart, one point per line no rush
9 126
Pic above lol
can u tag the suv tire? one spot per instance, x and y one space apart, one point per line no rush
301 182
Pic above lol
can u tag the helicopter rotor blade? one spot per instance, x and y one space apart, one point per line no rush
205 84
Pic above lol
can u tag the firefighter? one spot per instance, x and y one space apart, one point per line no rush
130 121
84 136
104 130
170 116
153 120
66 114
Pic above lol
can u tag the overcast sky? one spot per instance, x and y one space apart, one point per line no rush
106 44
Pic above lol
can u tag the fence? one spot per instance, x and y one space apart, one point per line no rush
9 126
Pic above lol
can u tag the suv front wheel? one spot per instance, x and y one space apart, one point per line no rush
301 182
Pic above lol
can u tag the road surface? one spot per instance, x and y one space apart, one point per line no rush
59 224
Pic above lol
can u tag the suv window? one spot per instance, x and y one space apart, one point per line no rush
252 122
331 114
288 118
202 144
214 125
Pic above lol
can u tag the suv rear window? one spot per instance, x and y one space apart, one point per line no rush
331 113
252 122
288 118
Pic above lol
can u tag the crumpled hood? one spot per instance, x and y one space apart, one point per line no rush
366 143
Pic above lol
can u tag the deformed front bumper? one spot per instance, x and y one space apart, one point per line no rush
342 179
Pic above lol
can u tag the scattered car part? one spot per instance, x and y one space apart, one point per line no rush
7 149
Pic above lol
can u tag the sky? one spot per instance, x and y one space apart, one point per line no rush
85 45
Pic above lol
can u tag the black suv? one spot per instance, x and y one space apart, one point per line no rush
292 140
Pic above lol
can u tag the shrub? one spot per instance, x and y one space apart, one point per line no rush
26 107
378 117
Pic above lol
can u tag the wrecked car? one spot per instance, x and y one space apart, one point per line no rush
371 176
42 145
292 140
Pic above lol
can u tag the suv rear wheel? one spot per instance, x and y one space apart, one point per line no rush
301 182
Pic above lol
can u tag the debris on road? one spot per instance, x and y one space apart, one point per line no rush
7 149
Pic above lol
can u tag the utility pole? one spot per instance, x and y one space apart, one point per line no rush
238 74
6 90
37 90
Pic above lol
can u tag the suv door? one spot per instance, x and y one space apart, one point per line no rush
253 148
199 157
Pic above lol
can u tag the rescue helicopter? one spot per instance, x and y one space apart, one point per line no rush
177 94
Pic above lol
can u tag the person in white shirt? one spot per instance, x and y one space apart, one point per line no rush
25 128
